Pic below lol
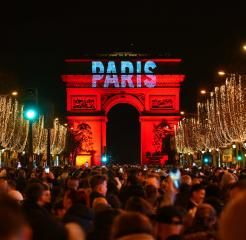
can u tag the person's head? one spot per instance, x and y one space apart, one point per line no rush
16 195
129 223
133 178
99 204
11 184
169 222
103 222
21 173
205 217
186 179
46 196
237 188
153 180
59 210
216 203
72 183
232 222
98 184
74 231
38 193
151 192
198 193
3 184
72 197
228 179
33 175
138 204
196 181
12 220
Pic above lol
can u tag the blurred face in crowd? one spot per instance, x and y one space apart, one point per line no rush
165 230
196 181
60 213
73 184
153 181
198 196
234 192
3 184
67 202
33 175
102 188
186 179
45 198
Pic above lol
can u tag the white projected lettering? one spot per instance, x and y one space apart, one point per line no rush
123 75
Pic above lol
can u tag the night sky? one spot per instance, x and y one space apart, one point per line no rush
37 37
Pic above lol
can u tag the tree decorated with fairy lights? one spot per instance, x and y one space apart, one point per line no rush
14 130
220 121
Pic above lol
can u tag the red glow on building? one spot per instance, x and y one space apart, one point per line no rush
89 106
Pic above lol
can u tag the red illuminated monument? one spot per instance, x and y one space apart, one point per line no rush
95 85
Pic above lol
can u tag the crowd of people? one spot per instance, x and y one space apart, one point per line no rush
122 203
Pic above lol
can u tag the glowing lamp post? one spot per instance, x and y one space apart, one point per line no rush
203 92
221 73
14 93
30 114
104 159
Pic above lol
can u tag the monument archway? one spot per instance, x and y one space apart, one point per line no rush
123 134
95 85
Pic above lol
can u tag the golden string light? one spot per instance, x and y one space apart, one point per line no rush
14 130
220 120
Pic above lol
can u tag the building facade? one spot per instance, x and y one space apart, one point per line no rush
96 84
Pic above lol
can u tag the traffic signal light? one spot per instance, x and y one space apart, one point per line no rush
104 158
207 158
30 100
30 113
239 155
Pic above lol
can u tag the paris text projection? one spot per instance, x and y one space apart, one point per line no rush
124 75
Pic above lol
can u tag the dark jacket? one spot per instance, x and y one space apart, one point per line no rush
81 215
43 225
135 190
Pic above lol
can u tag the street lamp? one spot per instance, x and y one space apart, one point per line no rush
234 146
30 113
244 47
221 73
203 91
14 93
182 113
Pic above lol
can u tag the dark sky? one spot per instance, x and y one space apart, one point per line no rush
36 38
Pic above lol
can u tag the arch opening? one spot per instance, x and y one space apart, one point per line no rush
123 134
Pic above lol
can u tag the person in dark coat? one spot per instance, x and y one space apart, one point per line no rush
98 184
133 188
197 196
74 203
43 225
